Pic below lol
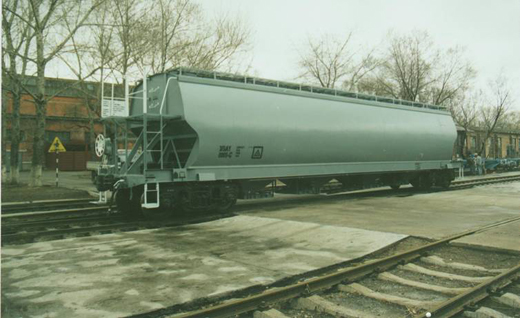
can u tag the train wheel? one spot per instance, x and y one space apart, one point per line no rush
426 182
443 183
156 213
226 205
422 182
126 205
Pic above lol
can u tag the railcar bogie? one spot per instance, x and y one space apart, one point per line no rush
128 201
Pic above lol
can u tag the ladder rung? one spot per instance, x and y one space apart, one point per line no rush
150 189
153 132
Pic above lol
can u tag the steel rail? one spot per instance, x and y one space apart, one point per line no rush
488 179
346 275
14 207
22 215
334 188
31 236
470 184
456 304
21 203
73 220
9 238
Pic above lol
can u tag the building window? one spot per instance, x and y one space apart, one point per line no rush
473 143
64 136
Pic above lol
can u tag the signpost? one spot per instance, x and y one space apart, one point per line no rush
114 107
57 147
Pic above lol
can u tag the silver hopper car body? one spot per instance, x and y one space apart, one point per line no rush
206 139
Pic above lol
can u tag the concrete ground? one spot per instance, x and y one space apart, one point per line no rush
121 274
129 273
80 180
432 215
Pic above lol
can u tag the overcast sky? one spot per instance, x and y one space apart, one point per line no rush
488 30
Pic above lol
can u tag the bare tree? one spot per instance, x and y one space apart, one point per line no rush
100 54
85 59
16 44
46 21
499 105
169 32
331 61
414 69
451 77
218 46
172 33
511 121
180 35
129 43
465 110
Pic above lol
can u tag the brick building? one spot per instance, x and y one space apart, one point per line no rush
501 144
68 118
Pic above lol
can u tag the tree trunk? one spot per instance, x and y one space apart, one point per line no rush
39 142
92 135
38 145
15 138
486 137
41 104
4 130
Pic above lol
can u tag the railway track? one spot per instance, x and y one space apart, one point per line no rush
46 205
415 283
484 181
28 231
461 184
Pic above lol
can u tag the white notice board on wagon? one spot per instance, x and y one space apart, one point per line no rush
114 107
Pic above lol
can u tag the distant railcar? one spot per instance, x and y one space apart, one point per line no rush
206 139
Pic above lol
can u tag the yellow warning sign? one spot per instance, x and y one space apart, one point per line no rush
57 146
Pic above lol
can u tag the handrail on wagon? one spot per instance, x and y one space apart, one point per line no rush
164 94
300 87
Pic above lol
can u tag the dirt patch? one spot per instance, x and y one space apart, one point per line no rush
368 305
403 245
491 259
24 193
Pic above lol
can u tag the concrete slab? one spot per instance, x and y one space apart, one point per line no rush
505 237
433 215
128 273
